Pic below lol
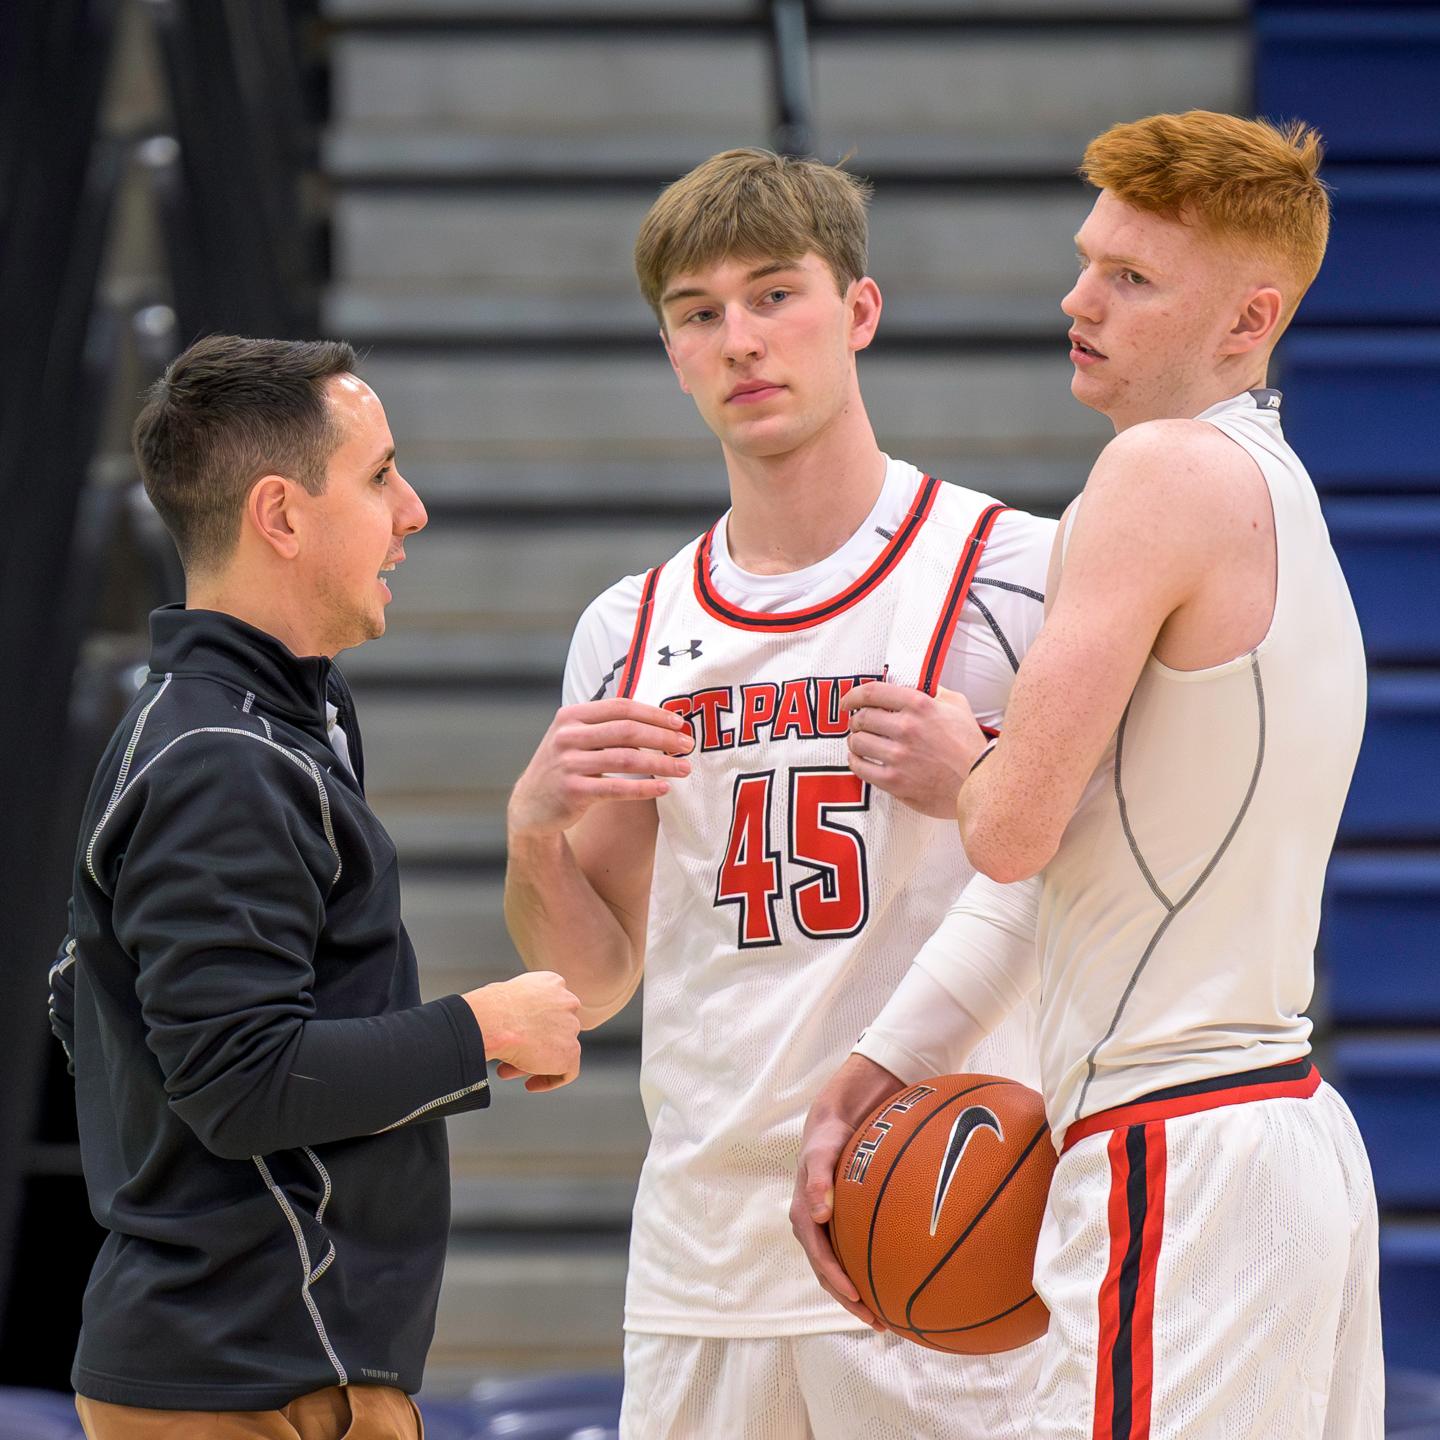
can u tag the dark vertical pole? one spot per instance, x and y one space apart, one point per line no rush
790 53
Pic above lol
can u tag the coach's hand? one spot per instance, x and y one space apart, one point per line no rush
911 746
855 1089
601 750
531 1025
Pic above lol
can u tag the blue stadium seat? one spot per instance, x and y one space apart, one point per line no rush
1392 1086
1380 266
1378 933
1390 551
1410 1292
1396 791
1364 76
1359 407
38 1415
1412 1402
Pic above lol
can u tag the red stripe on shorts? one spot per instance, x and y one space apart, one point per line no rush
1125 1361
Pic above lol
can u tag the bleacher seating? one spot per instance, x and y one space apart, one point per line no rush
1360 373
1379 925
490 167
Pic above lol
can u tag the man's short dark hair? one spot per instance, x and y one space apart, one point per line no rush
224 413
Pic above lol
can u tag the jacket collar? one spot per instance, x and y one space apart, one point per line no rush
207 642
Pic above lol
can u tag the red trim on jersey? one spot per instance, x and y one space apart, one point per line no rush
785 621
639 635
1135 1212
965 569
1142 1112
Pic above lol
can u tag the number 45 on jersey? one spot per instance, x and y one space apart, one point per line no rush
833 901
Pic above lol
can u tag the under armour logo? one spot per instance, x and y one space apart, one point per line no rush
667 654
970 1119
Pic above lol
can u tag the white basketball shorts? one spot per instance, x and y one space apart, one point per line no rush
1209 1256
833 1386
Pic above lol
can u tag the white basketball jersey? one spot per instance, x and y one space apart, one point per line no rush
789 898
1178 918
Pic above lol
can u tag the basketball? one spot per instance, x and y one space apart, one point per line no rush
938 1201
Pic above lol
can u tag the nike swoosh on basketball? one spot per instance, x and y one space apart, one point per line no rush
969 1120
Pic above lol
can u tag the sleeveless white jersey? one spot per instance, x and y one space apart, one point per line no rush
788 900
1178 917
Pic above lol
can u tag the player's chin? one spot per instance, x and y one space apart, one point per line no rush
1085 389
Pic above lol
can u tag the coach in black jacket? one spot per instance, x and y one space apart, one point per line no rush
260 1090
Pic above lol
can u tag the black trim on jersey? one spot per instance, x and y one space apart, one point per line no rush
803 619
1269 1075
772 896
643 616
826 876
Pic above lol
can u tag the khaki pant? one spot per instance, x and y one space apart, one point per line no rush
356 1412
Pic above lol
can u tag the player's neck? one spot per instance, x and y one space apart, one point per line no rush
791 511
1196 399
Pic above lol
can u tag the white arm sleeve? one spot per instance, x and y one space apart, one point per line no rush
970 974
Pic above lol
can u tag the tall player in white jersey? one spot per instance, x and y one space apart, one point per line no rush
773 894
1175 758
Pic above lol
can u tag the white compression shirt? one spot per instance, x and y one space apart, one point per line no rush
1177 921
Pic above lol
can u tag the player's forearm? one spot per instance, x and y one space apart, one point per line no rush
558 922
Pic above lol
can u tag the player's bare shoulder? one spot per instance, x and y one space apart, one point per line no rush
1181 481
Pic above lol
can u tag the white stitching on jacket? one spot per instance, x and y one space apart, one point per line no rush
431 1105
295 757
283 1201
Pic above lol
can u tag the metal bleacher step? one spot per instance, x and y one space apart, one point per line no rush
457 924
997 101
522 1303
526 268
1004 414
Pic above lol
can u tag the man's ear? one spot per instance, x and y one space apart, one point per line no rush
674 364
270 514
865 304
1255 326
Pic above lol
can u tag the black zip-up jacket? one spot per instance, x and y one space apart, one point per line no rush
259 1088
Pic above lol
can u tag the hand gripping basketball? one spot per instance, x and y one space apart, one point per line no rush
938 1202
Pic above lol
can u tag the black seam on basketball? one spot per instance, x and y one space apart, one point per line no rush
885 1183
978 1324
979 1215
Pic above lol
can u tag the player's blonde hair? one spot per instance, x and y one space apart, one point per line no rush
1249 182
753 204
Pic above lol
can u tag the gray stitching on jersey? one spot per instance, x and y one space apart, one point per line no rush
249 701
66 960
1190 894
1009 585
325 1176
1150 880
615 669
994 624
